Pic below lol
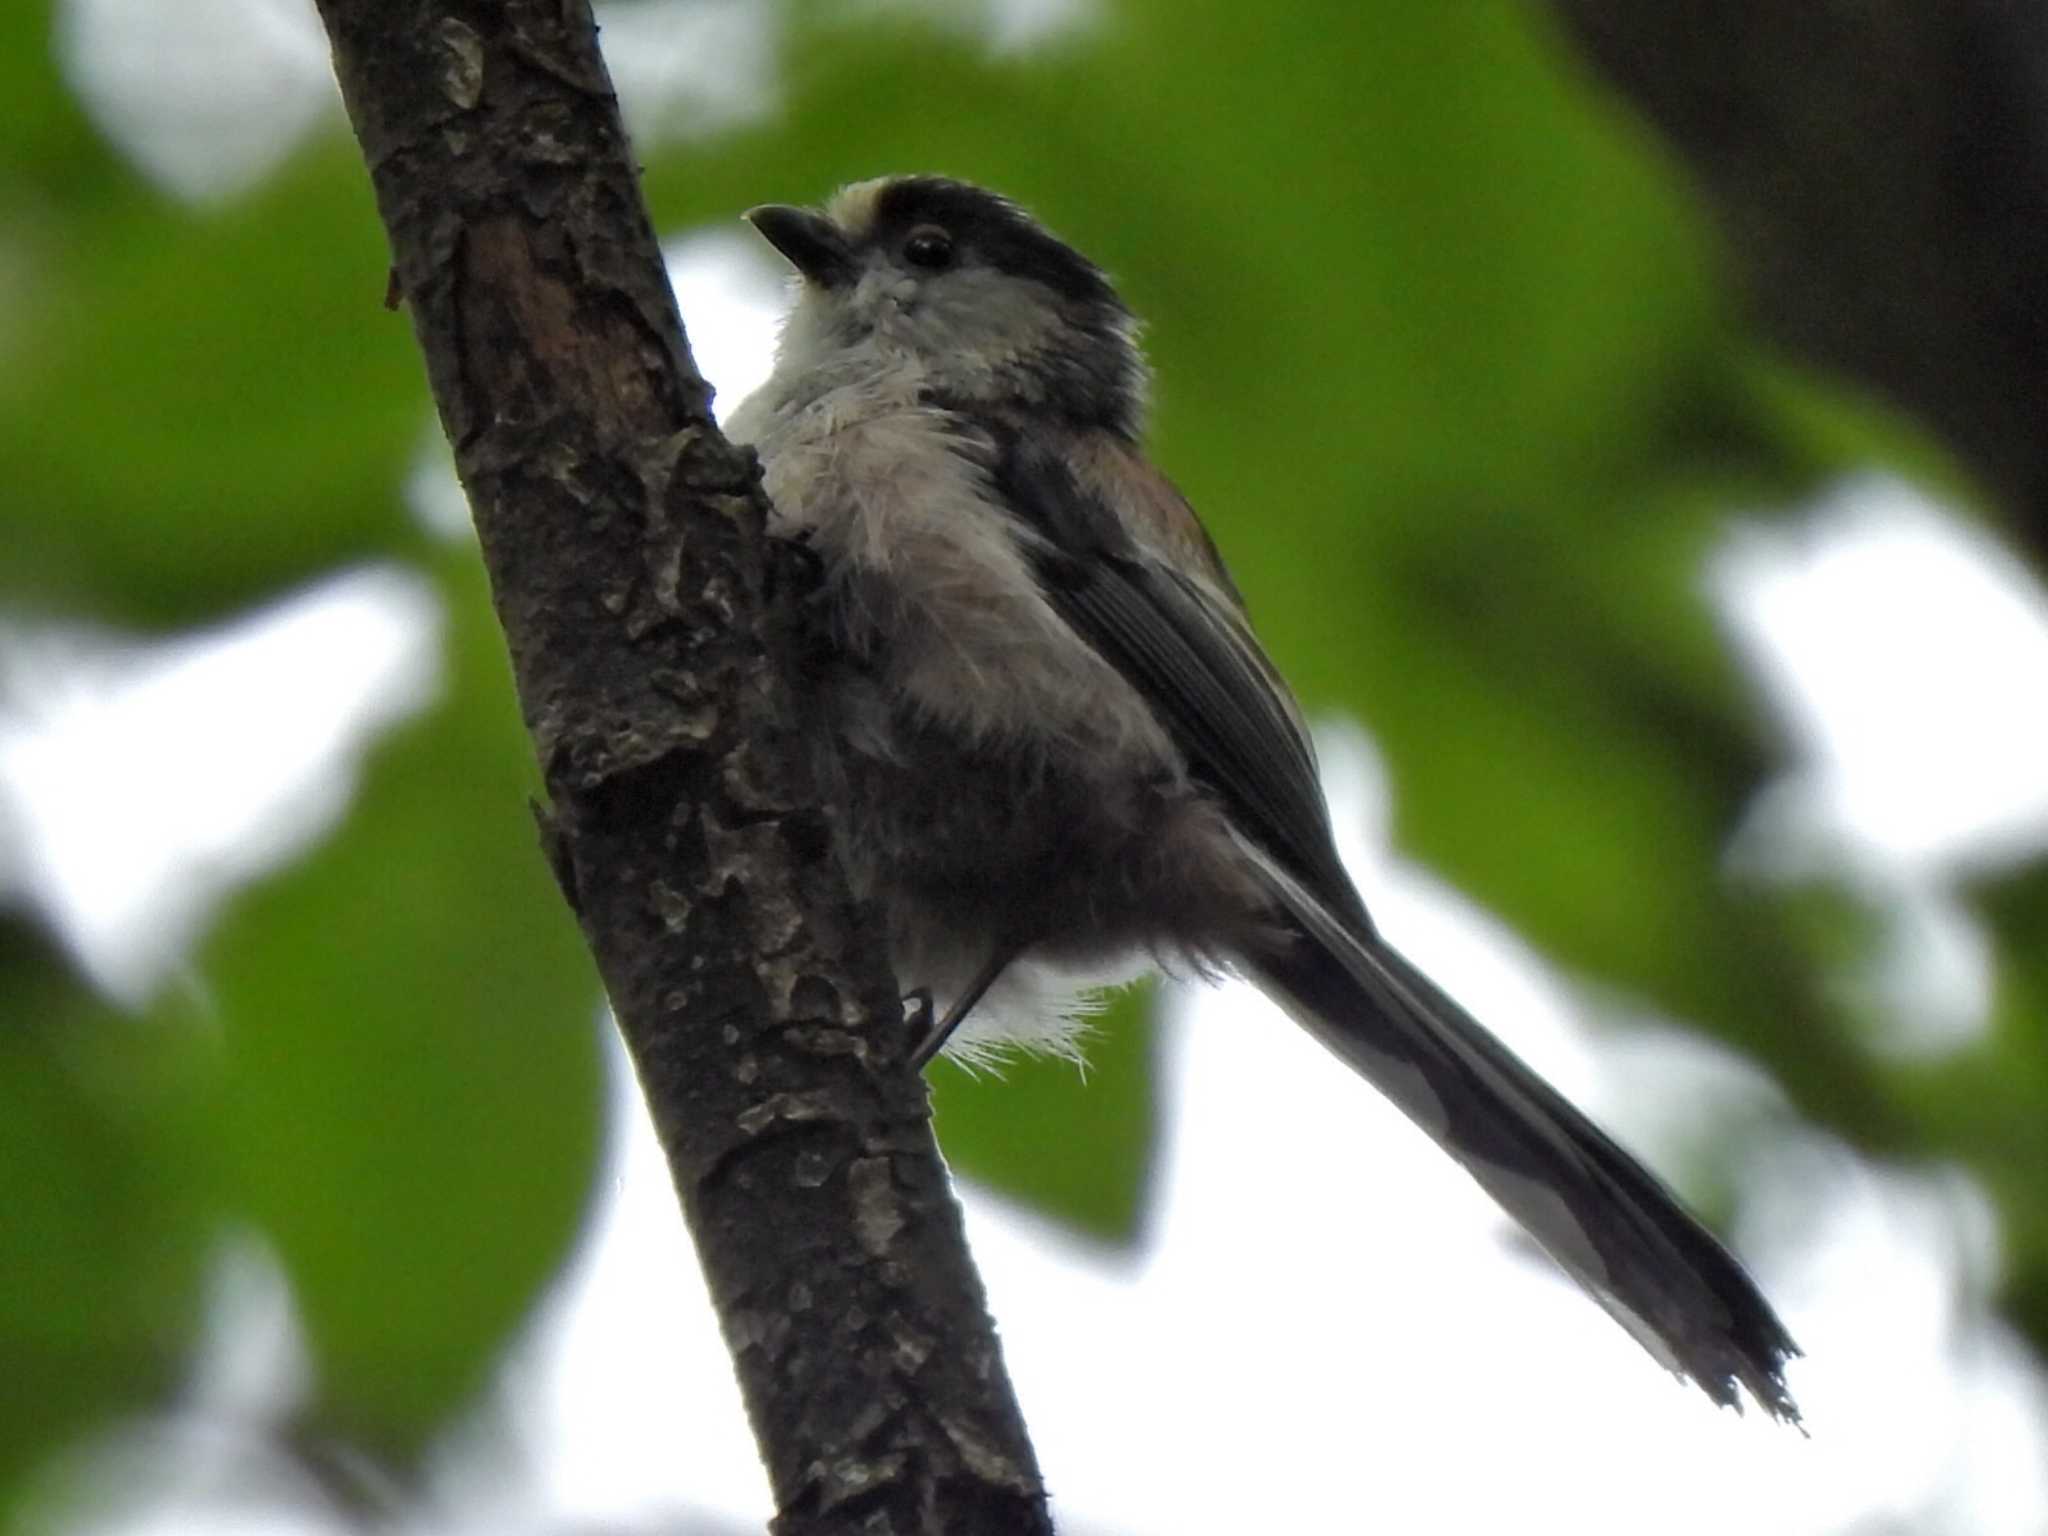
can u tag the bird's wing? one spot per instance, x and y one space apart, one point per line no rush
1183 642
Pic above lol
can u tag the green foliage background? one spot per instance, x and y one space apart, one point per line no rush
1446 357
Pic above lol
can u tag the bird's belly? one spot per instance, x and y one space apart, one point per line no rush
1087 867
1020 840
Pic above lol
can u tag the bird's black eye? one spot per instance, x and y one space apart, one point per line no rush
930 247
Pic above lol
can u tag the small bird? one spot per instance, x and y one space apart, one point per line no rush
1056 751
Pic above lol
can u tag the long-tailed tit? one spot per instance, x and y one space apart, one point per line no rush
1053 744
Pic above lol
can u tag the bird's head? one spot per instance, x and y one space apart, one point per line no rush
966 289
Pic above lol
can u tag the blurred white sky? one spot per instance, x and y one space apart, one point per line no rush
1333 1325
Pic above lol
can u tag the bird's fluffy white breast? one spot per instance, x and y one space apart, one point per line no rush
891 488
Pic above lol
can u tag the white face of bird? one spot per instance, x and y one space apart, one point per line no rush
966 290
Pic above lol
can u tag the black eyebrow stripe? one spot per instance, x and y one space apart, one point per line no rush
1003 234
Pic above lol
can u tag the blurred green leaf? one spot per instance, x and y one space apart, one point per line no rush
1832 426
1076 1143
108 1203
1988 1103
51 160
202 408
413 1067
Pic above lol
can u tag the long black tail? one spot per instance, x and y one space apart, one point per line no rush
1603 1216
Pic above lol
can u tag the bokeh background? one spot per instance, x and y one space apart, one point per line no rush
1681 709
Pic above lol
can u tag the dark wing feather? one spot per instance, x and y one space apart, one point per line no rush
1187 650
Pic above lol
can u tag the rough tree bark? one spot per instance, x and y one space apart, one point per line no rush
647 619
1880 169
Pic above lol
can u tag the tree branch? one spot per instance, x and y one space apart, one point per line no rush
647 618
1881 172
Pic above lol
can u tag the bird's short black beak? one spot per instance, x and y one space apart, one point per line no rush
811 242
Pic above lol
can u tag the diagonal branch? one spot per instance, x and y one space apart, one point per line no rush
647 618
